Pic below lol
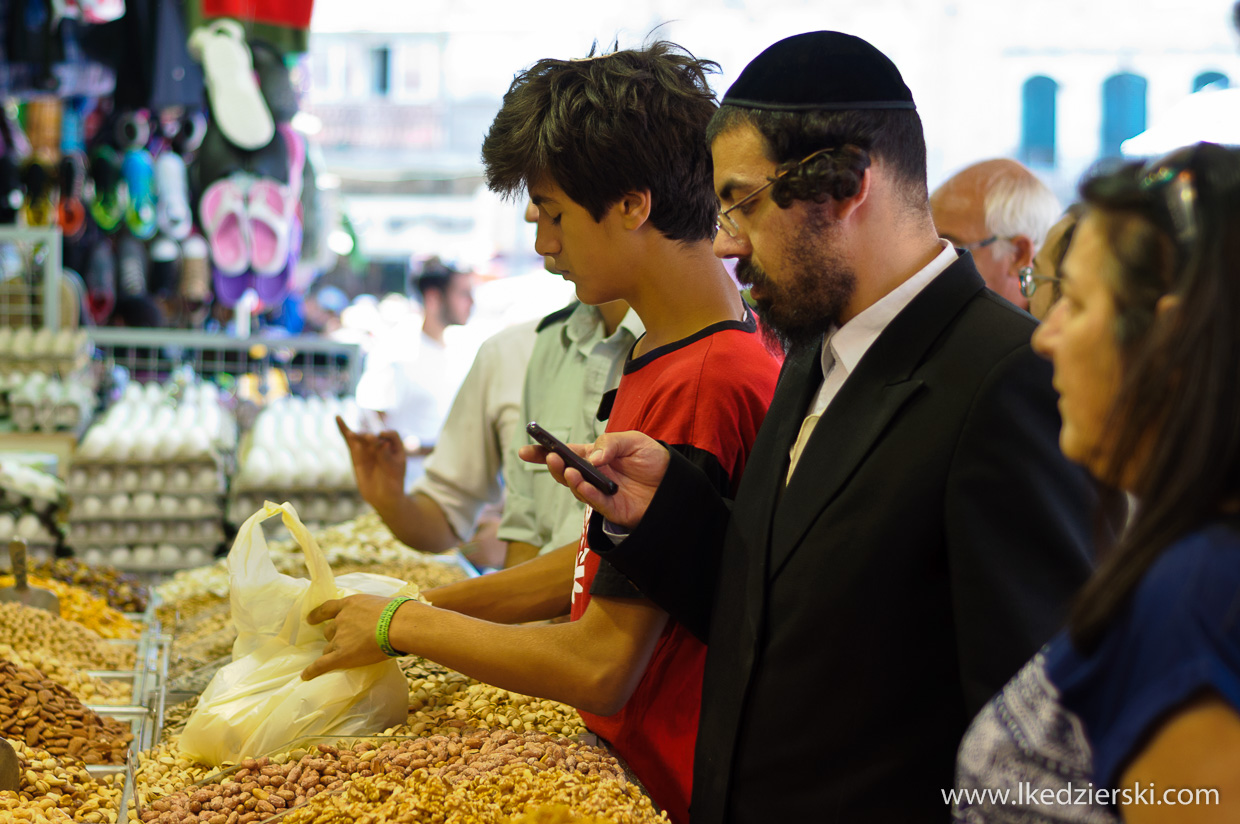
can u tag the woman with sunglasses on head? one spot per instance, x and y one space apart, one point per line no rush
1133 712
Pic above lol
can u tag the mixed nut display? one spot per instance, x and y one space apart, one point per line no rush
466 752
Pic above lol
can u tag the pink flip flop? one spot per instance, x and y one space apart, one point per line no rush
266 205
222 211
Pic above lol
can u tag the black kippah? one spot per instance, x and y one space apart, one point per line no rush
821 70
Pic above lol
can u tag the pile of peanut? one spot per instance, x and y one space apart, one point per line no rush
490 798
81 607
86 688
44 714
122 591
59 790
30 629
442 699
264 786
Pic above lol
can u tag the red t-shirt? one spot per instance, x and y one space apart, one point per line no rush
705 396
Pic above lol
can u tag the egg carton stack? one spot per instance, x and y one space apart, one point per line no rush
38 402
148 481
295 453
30 500
27 350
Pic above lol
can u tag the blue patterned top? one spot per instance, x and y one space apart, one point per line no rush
1052 746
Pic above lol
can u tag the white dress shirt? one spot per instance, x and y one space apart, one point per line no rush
844 346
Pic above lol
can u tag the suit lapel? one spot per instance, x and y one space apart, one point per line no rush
765 469
865 407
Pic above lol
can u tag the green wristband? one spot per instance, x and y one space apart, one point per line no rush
385 625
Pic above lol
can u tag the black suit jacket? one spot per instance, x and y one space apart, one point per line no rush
927 544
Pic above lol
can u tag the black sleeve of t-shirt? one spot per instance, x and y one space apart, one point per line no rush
609 582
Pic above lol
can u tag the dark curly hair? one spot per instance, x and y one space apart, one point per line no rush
855 136
605 125
1178 403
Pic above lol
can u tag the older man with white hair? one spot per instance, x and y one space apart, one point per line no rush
1000 212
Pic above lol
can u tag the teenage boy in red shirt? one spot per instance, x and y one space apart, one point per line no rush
611 150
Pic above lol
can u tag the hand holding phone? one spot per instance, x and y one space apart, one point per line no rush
551 442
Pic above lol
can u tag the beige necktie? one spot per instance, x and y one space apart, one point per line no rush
807 429
807 425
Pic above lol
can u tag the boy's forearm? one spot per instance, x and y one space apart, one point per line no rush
537 590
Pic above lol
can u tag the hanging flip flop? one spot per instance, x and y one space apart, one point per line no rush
275 231
164 275
222 212
39 183
172 211
11 195
107 200
131 267
71 212
139 172
266 205
195 270
101 282
237 104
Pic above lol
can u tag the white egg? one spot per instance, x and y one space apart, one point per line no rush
144 555
180 478
144 446
91 505
193 505
92 446
130 479
79 478
118 504
156 531
130 531
196 556
28 526
168 555
169 504
182 530
120 557
207 478
121 445
132 393
154 392
105 531
104 479
144 503
170 443
22 342
93 556
197 444
43 343
8 526
155 479
64 345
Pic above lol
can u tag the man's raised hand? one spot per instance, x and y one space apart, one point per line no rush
635 461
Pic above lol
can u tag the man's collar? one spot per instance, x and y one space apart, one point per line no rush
848 343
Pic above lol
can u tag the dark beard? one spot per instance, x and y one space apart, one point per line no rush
812 294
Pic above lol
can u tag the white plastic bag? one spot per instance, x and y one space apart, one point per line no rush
259 703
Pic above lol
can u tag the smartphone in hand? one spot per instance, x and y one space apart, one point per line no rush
551 442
